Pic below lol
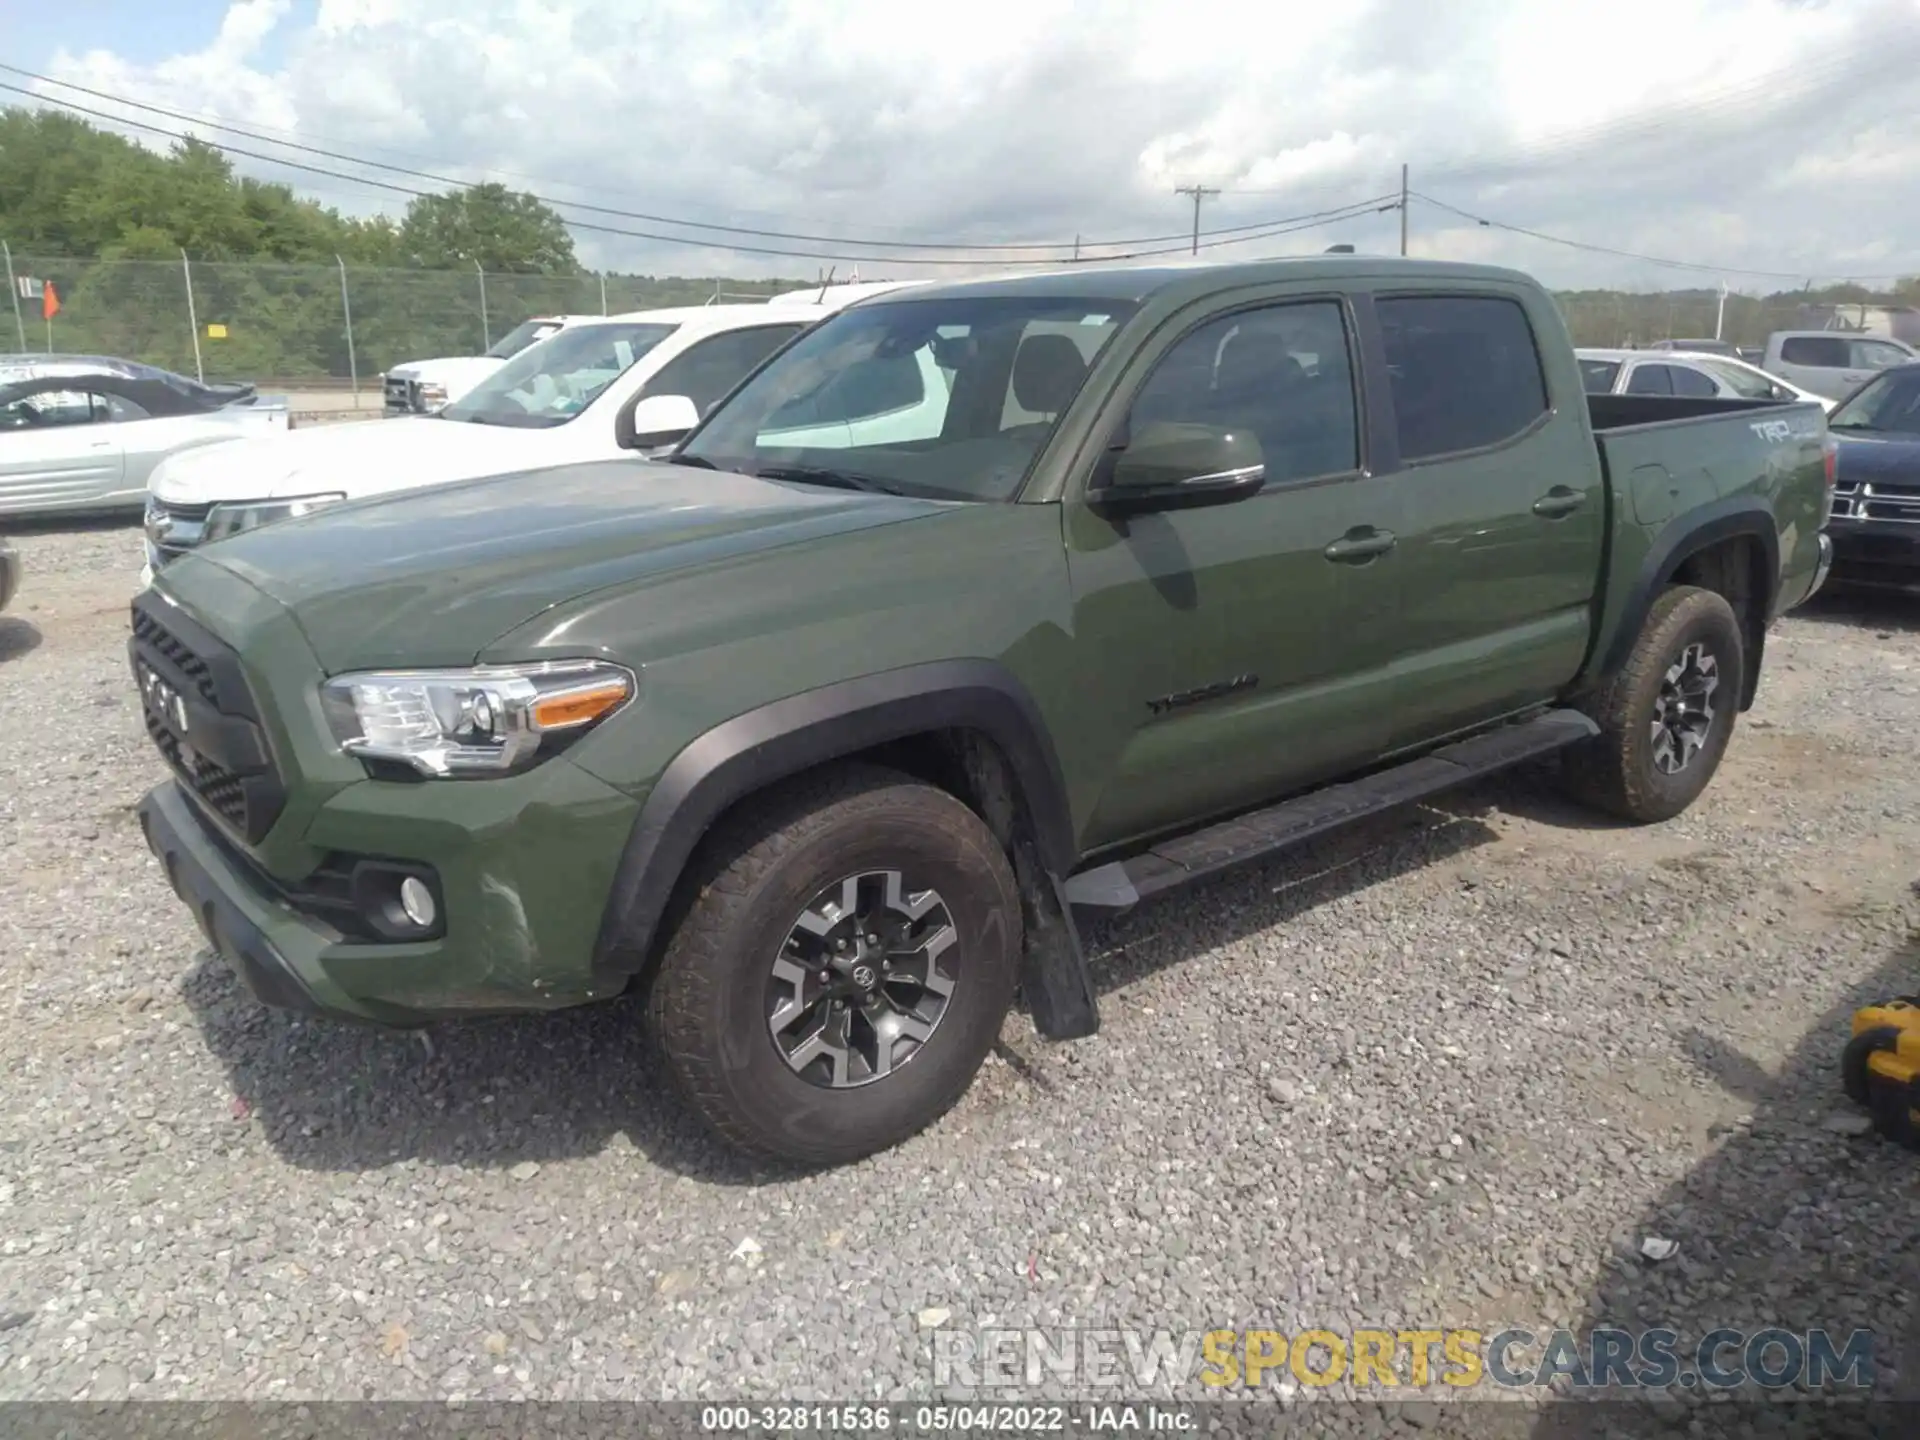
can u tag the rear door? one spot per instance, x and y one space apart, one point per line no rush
1242 650
59 449
1504 510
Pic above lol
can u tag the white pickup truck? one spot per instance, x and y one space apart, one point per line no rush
594 390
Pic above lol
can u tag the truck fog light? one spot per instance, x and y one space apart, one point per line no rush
416 900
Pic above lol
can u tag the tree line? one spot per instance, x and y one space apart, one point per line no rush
106 221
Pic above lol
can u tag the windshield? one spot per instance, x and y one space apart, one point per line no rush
947 398
520 337
1598 375
1887 402
1749 384
551 382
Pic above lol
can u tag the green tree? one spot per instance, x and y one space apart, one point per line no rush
504 230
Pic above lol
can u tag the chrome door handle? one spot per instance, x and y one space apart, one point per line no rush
1357 547
1559 501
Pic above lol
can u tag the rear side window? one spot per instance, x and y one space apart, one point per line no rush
1464 372
1597 376
1823 352
708 369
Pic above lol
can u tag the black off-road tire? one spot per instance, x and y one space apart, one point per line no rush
762 867
1615 771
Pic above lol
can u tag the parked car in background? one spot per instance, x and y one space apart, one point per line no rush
419 387
1875 523
820 736
1698 347
82 433
596 389
9 572
1831 363
1642 372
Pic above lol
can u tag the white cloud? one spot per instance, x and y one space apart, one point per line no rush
1743 133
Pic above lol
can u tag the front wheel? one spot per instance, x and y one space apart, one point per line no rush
1665 718
843 967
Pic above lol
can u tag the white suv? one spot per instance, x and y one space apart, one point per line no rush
598 389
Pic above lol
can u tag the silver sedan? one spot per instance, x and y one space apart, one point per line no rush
80 434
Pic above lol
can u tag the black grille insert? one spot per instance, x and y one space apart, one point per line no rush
200 715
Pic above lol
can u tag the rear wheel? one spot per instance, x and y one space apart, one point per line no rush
1665 718
842 969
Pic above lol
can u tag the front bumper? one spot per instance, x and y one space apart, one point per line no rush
504 952
280 957
1881 555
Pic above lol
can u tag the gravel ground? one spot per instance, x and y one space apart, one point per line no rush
1449 1069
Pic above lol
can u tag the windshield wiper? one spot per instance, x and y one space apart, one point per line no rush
1852 425
821 475
698 462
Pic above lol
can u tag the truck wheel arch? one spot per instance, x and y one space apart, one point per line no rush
778 741
1738 517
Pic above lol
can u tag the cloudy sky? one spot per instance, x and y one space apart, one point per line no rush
1747 136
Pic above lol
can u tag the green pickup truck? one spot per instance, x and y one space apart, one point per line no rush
974 609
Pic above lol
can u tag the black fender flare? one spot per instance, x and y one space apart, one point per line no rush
1737 516
785 738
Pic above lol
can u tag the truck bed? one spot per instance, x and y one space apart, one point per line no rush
1668 456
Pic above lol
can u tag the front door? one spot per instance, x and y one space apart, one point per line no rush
58 448
1242 648
1505 513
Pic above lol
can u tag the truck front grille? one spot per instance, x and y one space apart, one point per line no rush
201 716
173 530
401 396
1876 500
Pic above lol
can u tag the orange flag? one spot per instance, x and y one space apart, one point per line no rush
49 302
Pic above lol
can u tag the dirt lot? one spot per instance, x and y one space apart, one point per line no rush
1450 1069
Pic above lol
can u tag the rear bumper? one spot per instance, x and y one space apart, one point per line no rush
1821 570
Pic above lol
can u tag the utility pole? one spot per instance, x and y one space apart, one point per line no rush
1198 192
1720 316
1076 248
1403 209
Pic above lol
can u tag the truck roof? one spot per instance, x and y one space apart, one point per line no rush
1189 279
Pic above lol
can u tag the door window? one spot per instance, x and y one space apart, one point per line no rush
1877 355
1464 372
1821 352
1283 373
1650 380
51 408
1689 381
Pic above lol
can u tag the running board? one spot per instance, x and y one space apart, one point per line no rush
1122 884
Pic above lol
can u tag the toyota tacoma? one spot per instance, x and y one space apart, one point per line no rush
822 733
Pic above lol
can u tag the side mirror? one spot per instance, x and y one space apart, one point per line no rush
1182 467
655 421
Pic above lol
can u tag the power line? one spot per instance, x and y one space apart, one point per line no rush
1692 265
753 231
1266 230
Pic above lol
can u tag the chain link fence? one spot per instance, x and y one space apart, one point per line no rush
336 327
310 326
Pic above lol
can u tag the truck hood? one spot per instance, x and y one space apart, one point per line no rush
1882 456
433 577
354 458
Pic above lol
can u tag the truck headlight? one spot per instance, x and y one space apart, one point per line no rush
486 721
231 519
433 394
